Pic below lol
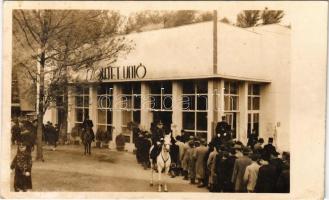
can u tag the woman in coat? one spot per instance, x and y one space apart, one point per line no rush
22 164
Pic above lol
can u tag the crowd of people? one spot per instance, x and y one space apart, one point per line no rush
222 165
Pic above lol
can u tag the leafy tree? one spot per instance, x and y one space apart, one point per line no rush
248 18
59 40
271 16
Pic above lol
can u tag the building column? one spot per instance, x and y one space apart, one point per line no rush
116 113
212 110
242 124
221 103
70 110
177 115
146 114
93 103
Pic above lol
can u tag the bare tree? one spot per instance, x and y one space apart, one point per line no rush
272 16
58 39
248 18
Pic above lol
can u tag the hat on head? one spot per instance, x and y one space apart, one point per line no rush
270 139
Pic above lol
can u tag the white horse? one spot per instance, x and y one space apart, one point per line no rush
163 162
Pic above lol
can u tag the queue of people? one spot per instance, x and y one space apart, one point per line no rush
224 164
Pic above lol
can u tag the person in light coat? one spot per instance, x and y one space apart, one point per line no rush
211 166
251 173
199 156
240 166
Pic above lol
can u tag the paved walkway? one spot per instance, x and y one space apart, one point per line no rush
67 169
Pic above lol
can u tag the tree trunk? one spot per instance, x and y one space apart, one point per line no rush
41 109
63 128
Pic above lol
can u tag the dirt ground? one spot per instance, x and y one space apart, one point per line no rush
67 169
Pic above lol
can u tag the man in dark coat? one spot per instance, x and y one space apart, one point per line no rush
144 147
269 149
174 155
15 132
252 138
283 183
222 127
157 137
88 124
228 171
267 177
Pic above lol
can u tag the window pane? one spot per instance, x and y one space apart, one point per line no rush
249 89
226 87
256 117
85 101
109 101
167 87
155 88
201 121
137 117
202 87
109 117
137 102
86 90
188 102
126 88
155 102
234 88
188 120
167 102
136 88
126 102
202 135
79 115
86 113
202 102
227 103
234 103
101 101
255 103
59 101
79 101
249 103
101 116
101 128
126 117
256 89
188 87
78 90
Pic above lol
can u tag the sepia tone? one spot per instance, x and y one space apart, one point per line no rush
154 100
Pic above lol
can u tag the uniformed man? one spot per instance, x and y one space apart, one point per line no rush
222 127
157 137
87 123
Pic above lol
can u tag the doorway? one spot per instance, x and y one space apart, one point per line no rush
165 117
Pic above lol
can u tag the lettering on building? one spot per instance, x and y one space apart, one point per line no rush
123 73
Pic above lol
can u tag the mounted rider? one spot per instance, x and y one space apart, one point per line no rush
88 124
158 134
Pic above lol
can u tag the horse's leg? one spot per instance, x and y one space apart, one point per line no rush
85 145
152 173
167 168
89 148
159 177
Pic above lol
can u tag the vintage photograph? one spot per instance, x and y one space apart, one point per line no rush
151 100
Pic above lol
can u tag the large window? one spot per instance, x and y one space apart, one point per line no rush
131 108
231 104
161 102
253 107
81 96
104 107
195 106
161 96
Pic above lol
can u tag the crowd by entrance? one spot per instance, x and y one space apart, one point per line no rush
222 165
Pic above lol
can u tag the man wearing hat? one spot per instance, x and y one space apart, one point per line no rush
157 137
199 156
240 166
269 148
222 127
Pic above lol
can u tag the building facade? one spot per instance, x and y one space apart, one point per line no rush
189 77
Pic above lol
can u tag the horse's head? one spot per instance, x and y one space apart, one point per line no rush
167 142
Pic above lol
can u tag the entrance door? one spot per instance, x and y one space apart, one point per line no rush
165 117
